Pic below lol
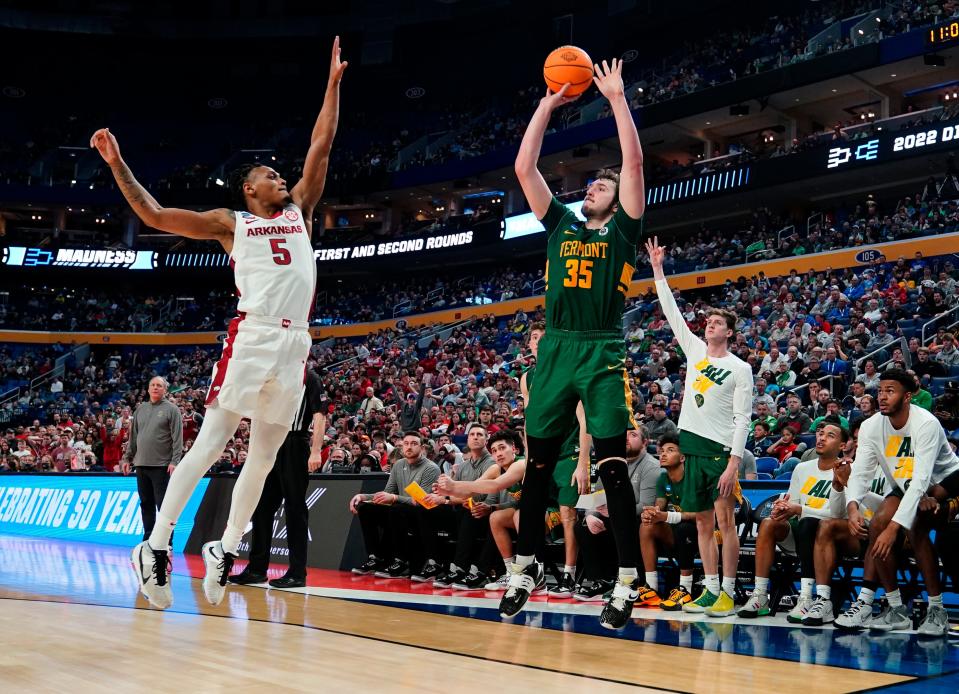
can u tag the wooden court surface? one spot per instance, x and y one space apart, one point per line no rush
95 635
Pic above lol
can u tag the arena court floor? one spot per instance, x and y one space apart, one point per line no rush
70 617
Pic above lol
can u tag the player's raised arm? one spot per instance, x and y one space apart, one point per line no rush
213 224
308 191
667 302
632 189
531 180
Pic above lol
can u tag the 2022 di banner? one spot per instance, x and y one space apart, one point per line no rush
96 508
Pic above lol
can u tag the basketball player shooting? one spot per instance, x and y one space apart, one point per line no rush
582 356
261 372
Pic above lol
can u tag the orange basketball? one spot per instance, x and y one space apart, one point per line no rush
568 64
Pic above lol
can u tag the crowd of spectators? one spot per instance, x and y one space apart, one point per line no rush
765 235
809 333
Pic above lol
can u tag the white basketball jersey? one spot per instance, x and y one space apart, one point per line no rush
273 265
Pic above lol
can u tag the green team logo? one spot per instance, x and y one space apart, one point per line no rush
604 231
700 400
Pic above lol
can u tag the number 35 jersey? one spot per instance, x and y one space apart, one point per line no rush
588 271
273 265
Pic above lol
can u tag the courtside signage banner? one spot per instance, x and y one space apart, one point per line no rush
102 509
334 538
391 248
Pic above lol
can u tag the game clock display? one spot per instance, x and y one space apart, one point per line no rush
943 35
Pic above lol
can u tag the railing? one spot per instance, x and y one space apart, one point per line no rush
888 347
868 29
936 319
792 232
402 308
79 355
890 122
813 219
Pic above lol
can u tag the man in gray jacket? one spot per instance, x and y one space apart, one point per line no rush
154 449
596 547
387 516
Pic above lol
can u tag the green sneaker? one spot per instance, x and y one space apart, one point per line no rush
756 606
706 599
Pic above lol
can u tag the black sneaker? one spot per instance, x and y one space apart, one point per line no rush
246 577
619 607
473 581
565 587
522 583
288 581
398 569
449 578
430 572
369 566
592 591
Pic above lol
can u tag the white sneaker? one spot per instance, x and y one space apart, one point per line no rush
218 565
499 585
856 617
891 619
798 613
936 622
819 613
152 574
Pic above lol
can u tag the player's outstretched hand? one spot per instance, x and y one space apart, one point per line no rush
106 144
553 100
609 78
337 66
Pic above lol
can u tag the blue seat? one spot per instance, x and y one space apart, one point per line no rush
764 476
954 370
808 439
938 385
766 464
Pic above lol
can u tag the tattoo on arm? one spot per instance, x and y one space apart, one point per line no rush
136 194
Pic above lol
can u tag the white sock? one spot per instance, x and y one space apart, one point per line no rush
935 600
570 569
806 586
867 595
231 539
894 598
162 530
628 575
762 584
453 568
686 582
524 560
652 580
508 561
430 562
265 440
729 585
474 569
712 583
825 592
218 428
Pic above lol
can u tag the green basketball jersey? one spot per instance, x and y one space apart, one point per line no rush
588 271
570 447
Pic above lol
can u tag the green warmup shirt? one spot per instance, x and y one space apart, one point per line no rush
588 271
669 490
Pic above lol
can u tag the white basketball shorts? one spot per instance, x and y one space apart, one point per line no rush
262 370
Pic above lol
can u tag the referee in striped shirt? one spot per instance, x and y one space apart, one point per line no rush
287 482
